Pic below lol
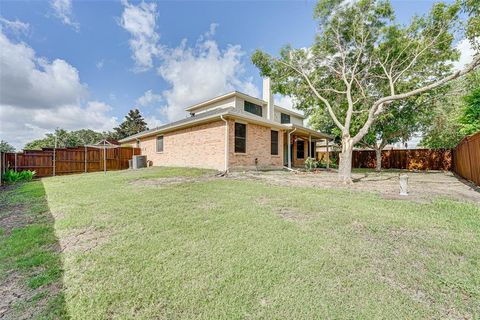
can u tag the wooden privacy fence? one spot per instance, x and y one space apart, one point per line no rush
413 159
51 162
466 158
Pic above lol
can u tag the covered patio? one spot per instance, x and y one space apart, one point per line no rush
300 144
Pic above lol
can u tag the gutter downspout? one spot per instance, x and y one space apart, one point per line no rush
226 143
290 148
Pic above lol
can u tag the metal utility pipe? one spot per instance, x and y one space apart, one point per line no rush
290 148
226 142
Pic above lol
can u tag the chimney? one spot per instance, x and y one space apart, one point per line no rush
268 97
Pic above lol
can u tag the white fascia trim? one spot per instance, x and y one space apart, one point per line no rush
223 97
290 112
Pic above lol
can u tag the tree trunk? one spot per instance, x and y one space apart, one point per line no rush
345 166
378 156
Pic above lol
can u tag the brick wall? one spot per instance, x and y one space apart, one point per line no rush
258 147
200 146
203 146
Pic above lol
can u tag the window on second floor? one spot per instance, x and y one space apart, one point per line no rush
284 118
253 108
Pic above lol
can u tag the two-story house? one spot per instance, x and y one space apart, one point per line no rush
232 131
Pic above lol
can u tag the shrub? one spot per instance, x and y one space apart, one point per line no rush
12 176
310 164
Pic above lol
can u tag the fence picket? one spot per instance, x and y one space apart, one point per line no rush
48 162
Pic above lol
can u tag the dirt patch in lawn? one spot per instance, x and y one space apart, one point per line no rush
287 213
15 218
422 186
170 181
17 301
84 239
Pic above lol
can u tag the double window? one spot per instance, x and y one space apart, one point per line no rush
253 108
159 144
284 118
300 149
240 137
274 144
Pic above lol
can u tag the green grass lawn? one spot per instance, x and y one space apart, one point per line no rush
234 249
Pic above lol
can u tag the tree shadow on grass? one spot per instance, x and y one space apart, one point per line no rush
366 175
31 269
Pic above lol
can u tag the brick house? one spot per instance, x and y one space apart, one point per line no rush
257 134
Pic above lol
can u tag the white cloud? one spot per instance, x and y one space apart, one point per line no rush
149 98
466 54
100 64
153 122
140 21
63 11
201 72
284 101
36 96
17 26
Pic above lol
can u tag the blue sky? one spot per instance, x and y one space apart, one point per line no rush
92 61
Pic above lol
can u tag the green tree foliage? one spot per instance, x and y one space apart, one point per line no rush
6 147
68 139
455 113
362 63
470 118
134 123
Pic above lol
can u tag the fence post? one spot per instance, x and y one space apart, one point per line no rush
470 159
15 162
104 158
54 162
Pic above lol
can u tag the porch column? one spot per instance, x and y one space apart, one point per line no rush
328 156
309 145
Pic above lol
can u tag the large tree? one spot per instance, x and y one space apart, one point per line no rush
398 124
362 62
6 147
64 138
133 123
455 113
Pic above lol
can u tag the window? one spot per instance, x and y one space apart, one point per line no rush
284 118
160 144
274 145
253 108
240 137
300 149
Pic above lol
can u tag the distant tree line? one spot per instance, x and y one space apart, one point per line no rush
132 124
